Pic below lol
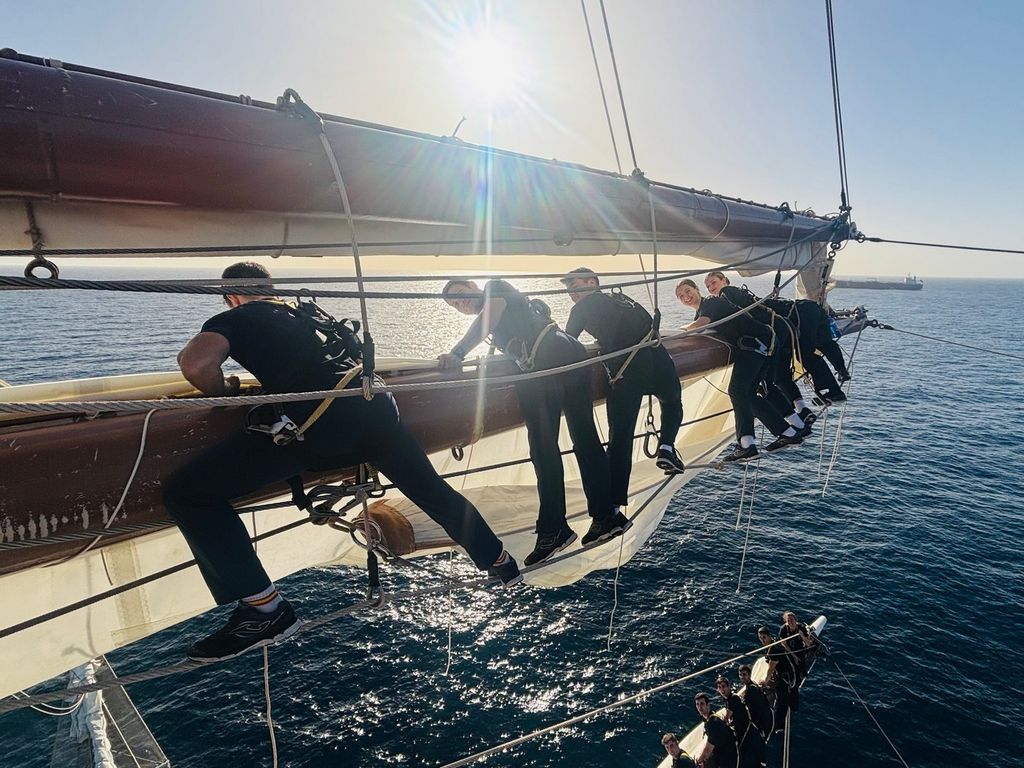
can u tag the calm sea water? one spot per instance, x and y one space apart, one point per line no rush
914 555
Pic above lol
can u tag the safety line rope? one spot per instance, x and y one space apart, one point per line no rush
600 83
863 239
884 327
618 83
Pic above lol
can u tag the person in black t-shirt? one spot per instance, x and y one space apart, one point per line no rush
617 322
783 392
679 758
278 344
518 328
752 344
749 743
781 676
720 750
757 703
800 642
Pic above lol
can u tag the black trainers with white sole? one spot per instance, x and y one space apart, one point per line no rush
740 455
606 528
246 629
550 543
808 417
783 442
507 572
669 461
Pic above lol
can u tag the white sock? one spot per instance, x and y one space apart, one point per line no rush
799 405
265 601
795 420
789 432
746 441
667 447
502 558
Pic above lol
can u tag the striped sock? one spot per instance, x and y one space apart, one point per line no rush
266 601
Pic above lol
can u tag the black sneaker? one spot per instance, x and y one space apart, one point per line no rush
843 377
808 417
832 396
507 573
783 442
740 455
669 461
607 528
550 543
246 629
804 432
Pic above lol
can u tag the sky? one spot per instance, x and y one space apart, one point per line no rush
728 95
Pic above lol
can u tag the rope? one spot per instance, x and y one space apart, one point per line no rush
266 696
600 83
750 515
124 494
618 83
603 709
839 423
940 245
870 713
451 607
615 593
884 327
211 402
837 109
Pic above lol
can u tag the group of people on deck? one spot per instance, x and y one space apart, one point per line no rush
290 351
736 736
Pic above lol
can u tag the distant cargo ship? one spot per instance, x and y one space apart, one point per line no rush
908 284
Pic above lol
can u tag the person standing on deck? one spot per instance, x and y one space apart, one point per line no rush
752 344
617 322
749 743
281 345
783 392
523 330
757 703
720 750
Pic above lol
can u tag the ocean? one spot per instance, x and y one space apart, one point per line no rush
913 554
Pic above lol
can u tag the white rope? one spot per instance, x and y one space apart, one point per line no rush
750 516
743 495
821 444
266 696
615 593
451 607
870 713
120 501
839 423
785 739
600 83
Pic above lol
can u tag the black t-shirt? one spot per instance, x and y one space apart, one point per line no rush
738 713
518 321
795 638
683 761
757 704
717 308
271 341
721 737
614 320
784 668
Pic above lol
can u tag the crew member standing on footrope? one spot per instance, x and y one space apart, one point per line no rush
618 322
781 676
752 344
749 743
293 348
800 642
783 392
757 704
720 750
525 331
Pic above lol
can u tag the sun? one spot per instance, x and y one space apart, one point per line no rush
492 66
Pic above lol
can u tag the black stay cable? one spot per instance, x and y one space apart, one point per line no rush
885 327
950 246
837 109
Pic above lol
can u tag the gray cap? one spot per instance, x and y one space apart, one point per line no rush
580 273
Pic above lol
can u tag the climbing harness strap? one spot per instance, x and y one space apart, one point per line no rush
527 363
622 369
326 402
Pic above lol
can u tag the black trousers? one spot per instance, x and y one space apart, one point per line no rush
651 372
782 391
542 402
748 372
352 431
751 748
812 332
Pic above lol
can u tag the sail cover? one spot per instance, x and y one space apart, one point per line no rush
109 161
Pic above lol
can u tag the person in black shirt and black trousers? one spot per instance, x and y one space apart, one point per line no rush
279 344
782 676
618 322
720 750
519 328
749 743
757 704
752 343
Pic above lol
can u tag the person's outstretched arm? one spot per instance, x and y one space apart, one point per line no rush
200 362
